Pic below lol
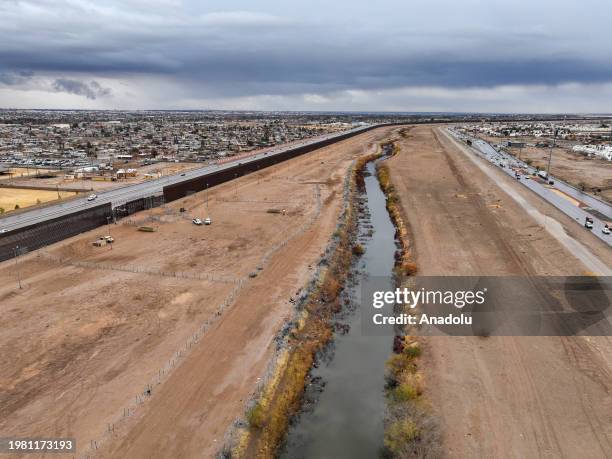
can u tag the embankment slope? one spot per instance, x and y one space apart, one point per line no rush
500 396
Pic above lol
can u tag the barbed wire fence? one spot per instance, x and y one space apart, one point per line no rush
164 372
211 277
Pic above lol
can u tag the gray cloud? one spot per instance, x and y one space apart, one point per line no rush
90 90
15 78
292 48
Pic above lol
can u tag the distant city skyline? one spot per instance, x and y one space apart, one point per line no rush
421 56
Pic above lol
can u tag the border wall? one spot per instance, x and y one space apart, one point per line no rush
180 190
40 234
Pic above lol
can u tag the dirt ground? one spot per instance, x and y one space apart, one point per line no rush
501 396
9 197
571 167
18 172
92 330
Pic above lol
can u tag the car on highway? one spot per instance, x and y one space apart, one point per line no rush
606 230
196 221
3 230
92 197
588 223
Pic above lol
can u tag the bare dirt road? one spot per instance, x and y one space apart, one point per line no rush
501 396
92 327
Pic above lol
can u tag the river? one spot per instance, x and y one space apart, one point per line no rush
344 404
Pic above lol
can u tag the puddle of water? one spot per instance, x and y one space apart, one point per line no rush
344 404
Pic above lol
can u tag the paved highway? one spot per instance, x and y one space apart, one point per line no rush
507 162
119 196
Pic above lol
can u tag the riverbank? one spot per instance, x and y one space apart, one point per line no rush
410 428
484 392
343 409
269 414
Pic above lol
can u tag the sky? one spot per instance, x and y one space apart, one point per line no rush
538 56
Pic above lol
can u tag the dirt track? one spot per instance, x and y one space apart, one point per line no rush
501 396
92 336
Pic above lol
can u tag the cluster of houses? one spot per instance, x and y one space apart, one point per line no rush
600 150
85 143
590 138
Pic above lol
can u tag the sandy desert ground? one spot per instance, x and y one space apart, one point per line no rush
9 197
501 396
90 331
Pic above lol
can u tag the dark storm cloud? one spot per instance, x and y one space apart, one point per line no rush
15 78
240 72
304 47
90 90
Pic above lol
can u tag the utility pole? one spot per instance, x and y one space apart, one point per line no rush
108 227
17 267
550 155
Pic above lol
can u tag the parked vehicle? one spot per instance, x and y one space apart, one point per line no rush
196 221
207 221
102 241
588 223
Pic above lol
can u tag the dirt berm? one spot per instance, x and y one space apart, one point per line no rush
501 396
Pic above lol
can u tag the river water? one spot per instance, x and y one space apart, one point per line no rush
344 404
